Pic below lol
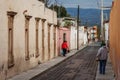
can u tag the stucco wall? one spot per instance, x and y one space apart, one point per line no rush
33 8
106 31
115 37
73 38
82 36
60 39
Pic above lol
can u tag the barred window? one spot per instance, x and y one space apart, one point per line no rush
27 20
11 15
43 25
49 27
37 37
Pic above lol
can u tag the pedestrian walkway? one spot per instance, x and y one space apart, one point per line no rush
43 67
109 72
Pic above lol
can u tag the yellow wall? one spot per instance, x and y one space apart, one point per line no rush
115 37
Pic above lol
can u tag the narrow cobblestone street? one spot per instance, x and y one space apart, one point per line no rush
81 66
59 40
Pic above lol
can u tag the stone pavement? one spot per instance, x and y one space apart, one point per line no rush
43 67
81 66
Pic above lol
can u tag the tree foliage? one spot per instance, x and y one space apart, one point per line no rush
47 2
61 11
67 23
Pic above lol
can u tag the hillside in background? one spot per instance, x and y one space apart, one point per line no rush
89 17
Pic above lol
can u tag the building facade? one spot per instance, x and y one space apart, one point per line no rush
114 37
28 36
68 26
83 40
106 31
67 32
63 35
92 34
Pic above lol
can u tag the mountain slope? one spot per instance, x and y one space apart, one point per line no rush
88 17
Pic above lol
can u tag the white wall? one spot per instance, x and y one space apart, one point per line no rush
85 38
106 31
73 38
33 8
82 37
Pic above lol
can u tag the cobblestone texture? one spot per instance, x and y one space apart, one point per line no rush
81 66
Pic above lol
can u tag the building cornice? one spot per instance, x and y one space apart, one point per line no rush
11 13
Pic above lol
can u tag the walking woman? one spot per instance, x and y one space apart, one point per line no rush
64 47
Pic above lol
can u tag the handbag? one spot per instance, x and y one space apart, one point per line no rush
68 51
61 51
97 59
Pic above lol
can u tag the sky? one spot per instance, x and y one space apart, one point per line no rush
84 3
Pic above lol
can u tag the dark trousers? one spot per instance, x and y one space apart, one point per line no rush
102 65
64 51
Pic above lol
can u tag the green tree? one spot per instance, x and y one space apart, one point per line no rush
61 11
67 23
46 2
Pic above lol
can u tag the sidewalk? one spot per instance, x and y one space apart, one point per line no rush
109 72
43 67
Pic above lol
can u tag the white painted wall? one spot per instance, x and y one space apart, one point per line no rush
85 38
82 37
34 8
73 38
106 26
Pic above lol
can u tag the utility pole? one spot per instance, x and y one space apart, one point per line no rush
102 19
106 16
78 28
102 35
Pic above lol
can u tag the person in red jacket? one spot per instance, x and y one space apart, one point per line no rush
64 47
